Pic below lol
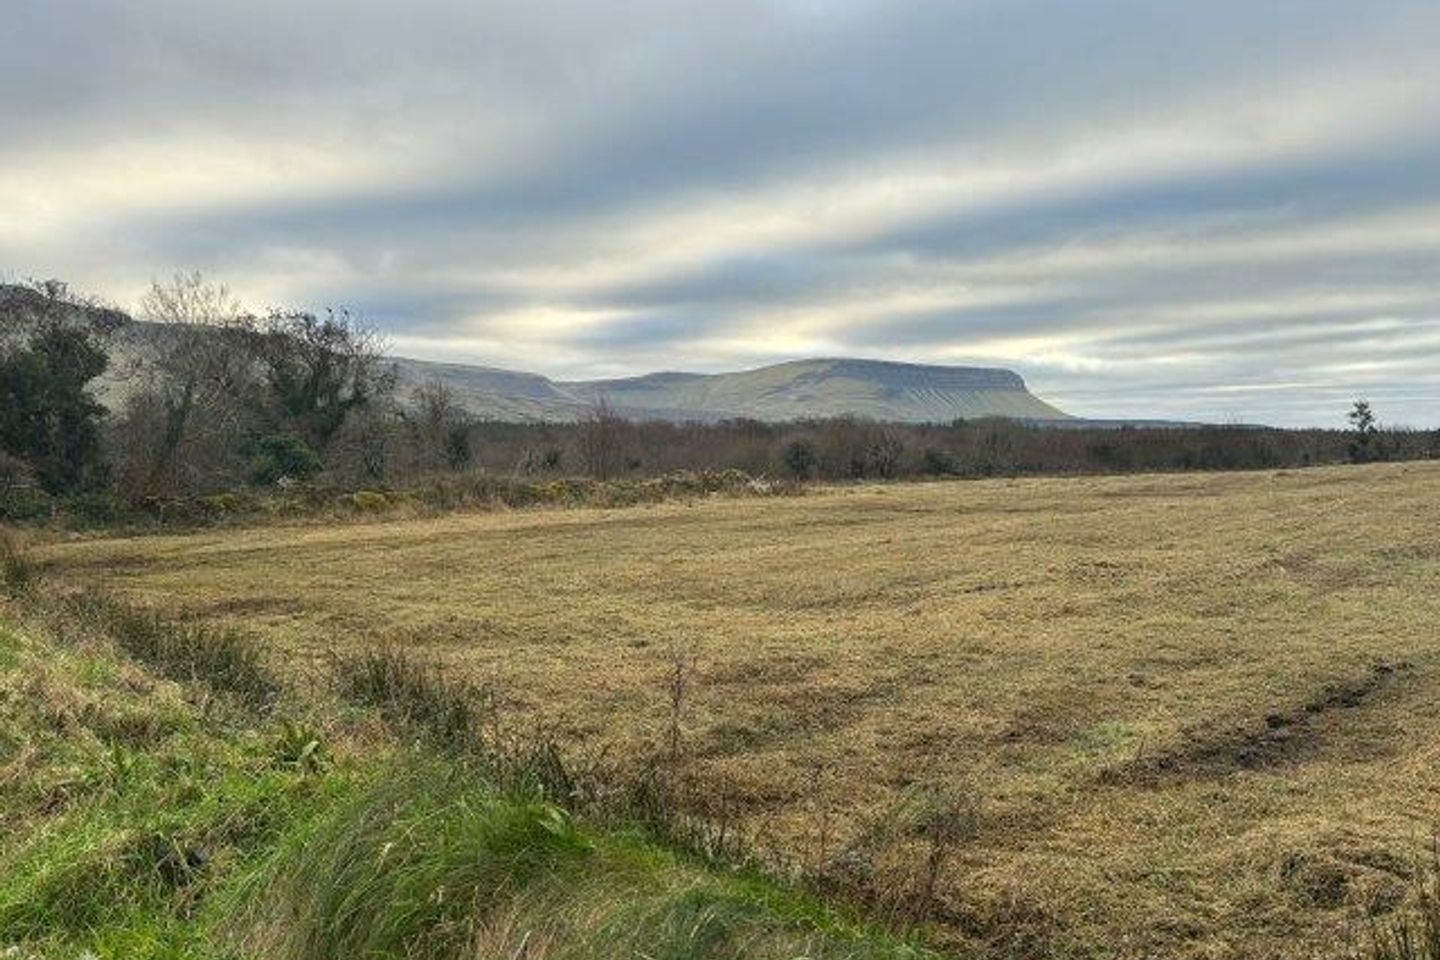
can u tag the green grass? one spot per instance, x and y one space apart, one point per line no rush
124 810
224 660
433 862
140 820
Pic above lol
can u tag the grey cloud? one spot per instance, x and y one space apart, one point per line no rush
537 129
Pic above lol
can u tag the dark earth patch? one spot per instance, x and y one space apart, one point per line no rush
1279 738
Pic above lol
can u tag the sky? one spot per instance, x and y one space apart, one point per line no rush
1217 210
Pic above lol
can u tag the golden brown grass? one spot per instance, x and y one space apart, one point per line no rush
1189 715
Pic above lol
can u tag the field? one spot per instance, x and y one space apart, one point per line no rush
1189 715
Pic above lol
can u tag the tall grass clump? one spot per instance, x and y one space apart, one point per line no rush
226 661
412 868
17 572
418 697
458 718
434 862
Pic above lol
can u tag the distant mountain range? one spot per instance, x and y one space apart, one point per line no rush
801 389
832 387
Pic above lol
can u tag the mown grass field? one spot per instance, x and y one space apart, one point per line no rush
1188 715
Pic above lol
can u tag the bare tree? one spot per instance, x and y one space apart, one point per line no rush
195 375
440 428
601 440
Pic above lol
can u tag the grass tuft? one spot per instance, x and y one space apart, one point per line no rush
17 571
457 718
222 659
409 868
450 714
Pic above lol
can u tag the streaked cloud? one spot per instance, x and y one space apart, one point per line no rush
1220 210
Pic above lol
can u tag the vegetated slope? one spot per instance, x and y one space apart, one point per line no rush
875 389
143 818
20 299
495 394
1182 716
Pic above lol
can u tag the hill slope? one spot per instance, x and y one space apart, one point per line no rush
787 391
824 387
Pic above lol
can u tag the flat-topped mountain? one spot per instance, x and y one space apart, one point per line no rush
797 390
829 387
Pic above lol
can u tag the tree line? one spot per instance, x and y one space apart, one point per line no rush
197 395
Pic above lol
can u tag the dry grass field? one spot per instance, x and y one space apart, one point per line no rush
1190 716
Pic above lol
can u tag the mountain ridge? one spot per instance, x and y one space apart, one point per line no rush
812 388
792 390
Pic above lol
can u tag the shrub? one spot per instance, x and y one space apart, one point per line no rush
800 459
99 507
369 501
222 504
939 463
883 458
283 455
15 474
549 460
26 505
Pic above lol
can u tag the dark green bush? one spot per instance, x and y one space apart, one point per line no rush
26 505
800 459
283 455
940 463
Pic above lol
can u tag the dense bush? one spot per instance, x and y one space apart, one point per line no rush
283 456
799 459
52 348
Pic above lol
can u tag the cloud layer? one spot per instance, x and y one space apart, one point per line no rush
1223 210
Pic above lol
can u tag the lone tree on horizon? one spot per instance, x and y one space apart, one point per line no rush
1362 421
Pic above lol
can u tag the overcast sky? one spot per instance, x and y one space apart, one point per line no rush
1216 210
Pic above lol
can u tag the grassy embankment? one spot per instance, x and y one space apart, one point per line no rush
162 796
438 495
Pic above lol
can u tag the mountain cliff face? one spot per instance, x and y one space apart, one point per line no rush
801 389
